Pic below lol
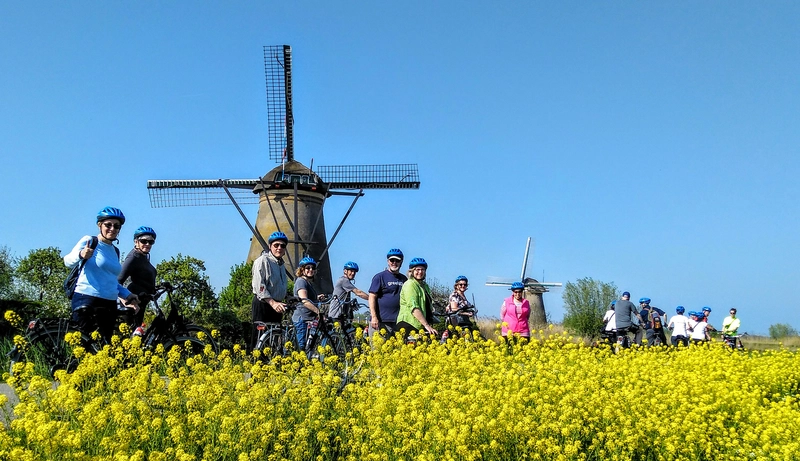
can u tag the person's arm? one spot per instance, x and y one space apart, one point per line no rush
360 294
502 311
74 257
417 313
302 293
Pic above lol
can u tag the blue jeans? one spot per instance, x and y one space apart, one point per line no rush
300 329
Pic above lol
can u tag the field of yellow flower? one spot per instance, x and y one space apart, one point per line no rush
541 399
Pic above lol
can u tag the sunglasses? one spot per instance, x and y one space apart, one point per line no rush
396 261
109 225
147 241
278 245
463 285
517 291
310 268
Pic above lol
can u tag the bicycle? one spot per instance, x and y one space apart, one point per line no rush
273 337
48 348
455 320
733 341
324 332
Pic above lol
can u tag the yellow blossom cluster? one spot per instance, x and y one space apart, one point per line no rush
546 398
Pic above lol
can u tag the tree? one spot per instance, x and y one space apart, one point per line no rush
42 274
586 301
194 295
781 330
238 295
6 273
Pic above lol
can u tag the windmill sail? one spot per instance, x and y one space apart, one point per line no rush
278 68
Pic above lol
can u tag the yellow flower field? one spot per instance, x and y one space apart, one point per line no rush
544 399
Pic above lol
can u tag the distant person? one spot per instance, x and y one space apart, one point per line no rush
94 302
609 323
653 323
699 329
514 313
343 290
416 303
458 300
307 310
679 325
625 313
706 313
384 294
138 269
731 324
269 283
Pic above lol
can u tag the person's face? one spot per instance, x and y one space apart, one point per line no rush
109 228
145 243
309 270
733 313
418 272
278 248
350 274
395 264
517 294
462 285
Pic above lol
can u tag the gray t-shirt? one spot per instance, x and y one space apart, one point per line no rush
302 312
625 311
341 294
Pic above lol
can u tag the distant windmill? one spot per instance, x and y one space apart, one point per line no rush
291 196
533 289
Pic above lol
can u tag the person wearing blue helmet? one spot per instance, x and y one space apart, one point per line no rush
458 300
609 324
416 308
343 290
626 313
654 321
698 328
94 301
138 272
514 312
304 289
706 313
384 294
679 325
269 283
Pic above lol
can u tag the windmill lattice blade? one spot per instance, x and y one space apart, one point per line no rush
390 176
280 123
187 192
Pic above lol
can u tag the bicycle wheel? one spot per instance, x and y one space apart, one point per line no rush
49 352
189 345
335 341
202 335
273 342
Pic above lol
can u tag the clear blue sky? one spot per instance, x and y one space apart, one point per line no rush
653 145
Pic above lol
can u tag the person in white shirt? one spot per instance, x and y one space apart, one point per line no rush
699 333
678 325
609 320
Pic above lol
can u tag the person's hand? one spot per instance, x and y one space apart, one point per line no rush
431 330
87 251
279 307
133 300
373 322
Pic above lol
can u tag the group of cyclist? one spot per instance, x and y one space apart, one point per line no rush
623 318
102 280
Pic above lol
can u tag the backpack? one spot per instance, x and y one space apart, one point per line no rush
72 279
656 320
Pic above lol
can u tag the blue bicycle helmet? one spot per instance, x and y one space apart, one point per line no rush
460 278
517 286
144 230
614 302
278 235
644 300
680 310
416 262
110 212
394 252
706 309
307 261
351 266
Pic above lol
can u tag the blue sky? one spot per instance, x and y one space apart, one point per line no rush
653 145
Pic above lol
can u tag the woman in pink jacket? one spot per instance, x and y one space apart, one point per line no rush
515 311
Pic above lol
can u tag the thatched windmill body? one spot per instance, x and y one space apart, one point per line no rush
291 196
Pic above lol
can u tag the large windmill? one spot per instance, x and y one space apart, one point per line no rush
291 196
533 289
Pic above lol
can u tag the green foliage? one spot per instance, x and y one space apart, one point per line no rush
781 330
194 296
238 295
440 295
41 275
586 301
6 273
